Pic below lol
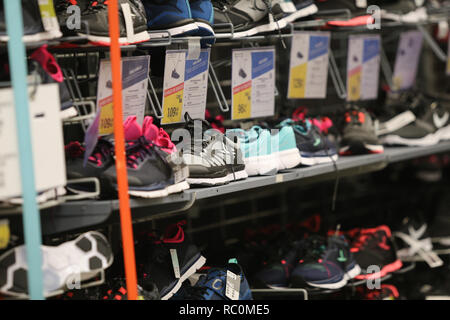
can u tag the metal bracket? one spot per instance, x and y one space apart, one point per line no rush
215 84
82 195
336 77
385 67
432 43
159 115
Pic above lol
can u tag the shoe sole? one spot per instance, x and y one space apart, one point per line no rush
192 269
204 26
208 182
175 188
361 148
383 272
41 36
311 161
304 12
429 140
124 41
79 259
289 159
353 273
175 31
270 164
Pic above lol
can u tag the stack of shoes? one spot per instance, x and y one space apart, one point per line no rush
359 133
33 26
211 157
266 153
211 284
132 22
161 254
80 260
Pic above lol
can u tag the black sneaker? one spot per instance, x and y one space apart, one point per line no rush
149 173
101 159
358 136
63 13
159 266
33 27
432 124
374 247
290 11
133 23
117 290
213 160
247 18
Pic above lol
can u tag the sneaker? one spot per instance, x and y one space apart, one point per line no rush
81 258
33 27
117 291
157 135
247 18
203 14
213 160
431 125
314 147
374 247
359 135
289 11
414 243
212 285
172 16
159 264
62 7
149 172
335 267
133 24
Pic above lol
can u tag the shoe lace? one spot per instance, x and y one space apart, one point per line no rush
137 151
103 151
62 5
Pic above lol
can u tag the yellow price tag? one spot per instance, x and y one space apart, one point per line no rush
173 104
4 234
242 101
297 83
354 86
106 123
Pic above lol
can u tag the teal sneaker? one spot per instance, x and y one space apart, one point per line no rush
256 146
283 144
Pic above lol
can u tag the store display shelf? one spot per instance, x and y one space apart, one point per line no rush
76 215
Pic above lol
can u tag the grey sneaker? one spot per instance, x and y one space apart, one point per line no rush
359 135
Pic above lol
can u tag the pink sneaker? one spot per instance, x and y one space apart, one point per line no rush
133 130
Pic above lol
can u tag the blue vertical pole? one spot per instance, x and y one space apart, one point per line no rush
31 217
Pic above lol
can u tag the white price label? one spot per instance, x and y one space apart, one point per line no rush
253 83
407 60
309 65
363 67
175 264
233 285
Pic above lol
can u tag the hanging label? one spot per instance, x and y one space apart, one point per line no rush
363 66
233 285
135 72
253 83
185 85
407 60
448 57
48 15
5 234
46 139
309 65
175 264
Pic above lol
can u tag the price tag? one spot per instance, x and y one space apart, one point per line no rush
448 57
407 60
233 285
46 138
48 15
363 66
309 65
253 83
185 85
175 264
5 234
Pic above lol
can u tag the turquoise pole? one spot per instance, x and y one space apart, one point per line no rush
31 217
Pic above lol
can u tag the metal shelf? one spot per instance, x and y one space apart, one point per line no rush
78 215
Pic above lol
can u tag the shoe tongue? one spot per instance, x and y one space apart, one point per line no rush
149 130
132 129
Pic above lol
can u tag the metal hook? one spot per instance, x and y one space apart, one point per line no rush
385 67
150 100
336 77
215 84
432 43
